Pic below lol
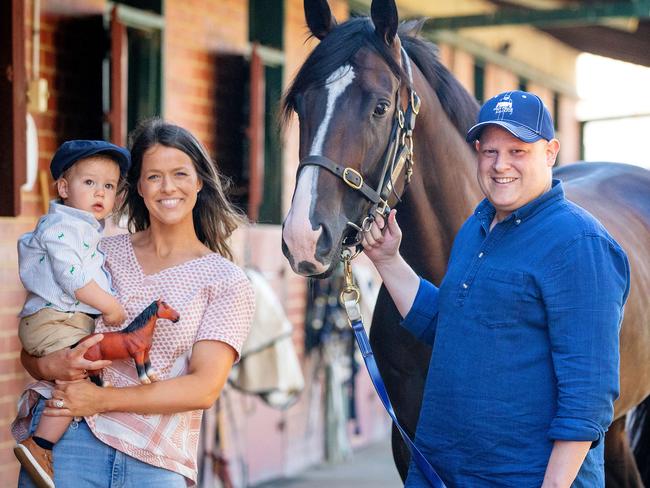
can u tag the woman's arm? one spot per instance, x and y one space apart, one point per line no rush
66 364
208 371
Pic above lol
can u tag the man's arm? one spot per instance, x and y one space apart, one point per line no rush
564 463
381 245
584 290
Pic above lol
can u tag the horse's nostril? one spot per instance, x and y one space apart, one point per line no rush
324 244
306 268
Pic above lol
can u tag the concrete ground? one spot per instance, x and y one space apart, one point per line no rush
370 467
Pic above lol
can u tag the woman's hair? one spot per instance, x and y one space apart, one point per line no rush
215 218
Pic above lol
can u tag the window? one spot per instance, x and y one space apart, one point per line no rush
13 102
523 84
133 90
265 22
144 76
479 80
556 109
266 27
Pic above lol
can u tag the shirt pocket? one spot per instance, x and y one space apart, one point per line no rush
499 297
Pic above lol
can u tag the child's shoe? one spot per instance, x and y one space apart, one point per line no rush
36 461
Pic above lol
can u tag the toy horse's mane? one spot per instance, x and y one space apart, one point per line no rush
141 319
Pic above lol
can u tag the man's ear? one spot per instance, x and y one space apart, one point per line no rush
477 145
62 187
552 150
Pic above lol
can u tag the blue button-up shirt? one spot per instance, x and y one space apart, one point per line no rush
524 329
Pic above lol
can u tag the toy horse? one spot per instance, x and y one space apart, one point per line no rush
134 341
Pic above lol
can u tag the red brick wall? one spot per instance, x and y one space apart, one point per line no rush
50 126
196 32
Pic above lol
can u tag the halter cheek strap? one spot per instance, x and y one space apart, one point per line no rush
398 154
350 176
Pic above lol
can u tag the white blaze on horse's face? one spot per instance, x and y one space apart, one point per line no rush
298 233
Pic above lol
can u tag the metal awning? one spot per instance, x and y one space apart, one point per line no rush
617 29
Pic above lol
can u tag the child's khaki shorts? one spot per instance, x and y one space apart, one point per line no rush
49 330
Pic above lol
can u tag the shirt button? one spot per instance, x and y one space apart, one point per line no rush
465 286
480 255
518 221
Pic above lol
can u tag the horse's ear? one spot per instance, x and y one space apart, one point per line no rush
319 17
384 16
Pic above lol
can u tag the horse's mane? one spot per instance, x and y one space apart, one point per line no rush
141 319
458 104
342 43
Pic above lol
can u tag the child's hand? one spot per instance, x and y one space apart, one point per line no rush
115 316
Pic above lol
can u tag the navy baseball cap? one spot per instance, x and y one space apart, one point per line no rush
522 114
72 151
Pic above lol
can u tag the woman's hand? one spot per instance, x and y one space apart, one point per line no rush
66 364
381 242
80 399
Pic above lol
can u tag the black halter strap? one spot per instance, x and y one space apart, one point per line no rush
397 156
351 176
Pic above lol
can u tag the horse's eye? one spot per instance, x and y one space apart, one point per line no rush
381 109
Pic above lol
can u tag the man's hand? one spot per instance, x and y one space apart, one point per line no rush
381 242
381 245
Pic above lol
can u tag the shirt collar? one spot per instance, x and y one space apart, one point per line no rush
485 211
59 208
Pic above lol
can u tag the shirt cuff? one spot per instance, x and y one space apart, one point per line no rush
576 429
75 280
423 312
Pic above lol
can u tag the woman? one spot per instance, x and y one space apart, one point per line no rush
180 220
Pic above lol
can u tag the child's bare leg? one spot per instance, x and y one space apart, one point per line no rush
52 428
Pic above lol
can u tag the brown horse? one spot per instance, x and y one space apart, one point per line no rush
134 341
346 96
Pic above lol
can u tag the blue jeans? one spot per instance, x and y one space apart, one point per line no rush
81 460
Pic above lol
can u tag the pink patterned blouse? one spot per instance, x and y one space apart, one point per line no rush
215 301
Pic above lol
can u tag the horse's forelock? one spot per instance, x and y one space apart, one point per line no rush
343 42
334 51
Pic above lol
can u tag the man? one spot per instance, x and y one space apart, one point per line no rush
524 326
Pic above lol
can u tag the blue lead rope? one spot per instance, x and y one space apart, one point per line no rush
369 358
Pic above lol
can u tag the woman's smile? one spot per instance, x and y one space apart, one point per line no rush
170 202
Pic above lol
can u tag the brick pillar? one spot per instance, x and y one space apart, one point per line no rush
498 80
463 69
568 131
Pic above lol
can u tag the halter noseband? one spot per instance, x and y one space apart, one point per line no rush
398 153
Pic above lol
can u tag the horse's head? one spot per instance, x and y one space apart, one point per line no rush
164 311
354 104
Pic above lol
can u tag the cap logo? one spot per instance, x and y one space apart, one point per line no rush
503 107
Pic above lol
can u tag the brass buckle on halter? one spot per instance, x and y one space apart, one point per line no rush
415 102
349 182
382 208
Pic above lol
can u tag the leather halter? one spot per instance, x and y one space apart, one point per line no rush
397 156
